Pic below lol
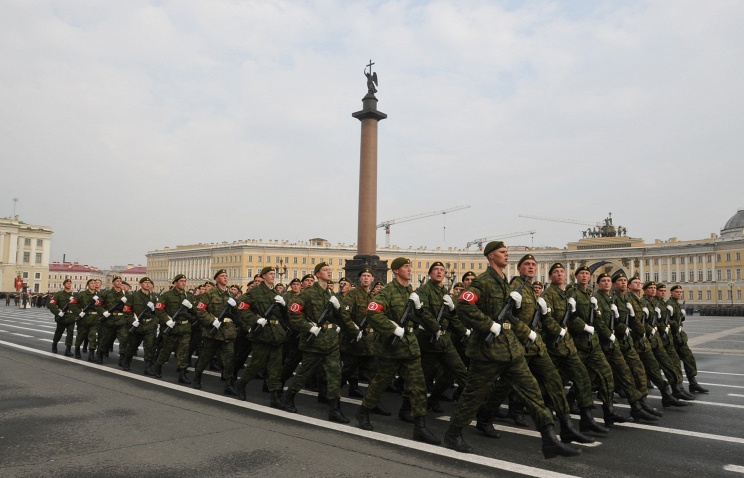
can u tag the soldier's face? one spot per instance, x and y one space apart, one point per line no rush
621 284
126 287
528 268
500 257
538 290
677 294
605 284
181 284
583 277
650 291
344 287
366 279
634 285
295 286
376 289
222 280
661 292
437 274
280 289
558 276
467 280
67 286
403 272
308 282
146 286
456 291
324 273
117 284
269 278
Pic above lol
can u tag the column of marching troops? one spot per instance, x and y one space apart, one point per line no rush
496 340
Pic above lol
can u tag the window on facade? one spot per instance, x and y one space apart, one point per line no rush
38 257
700 259
728 256
674 260
681 276
304 261
646 262
294 260
480 266
463 265
648 276
268 259
738 294
728 294
700 295
26 257
312 261
664 276
728 274
720 295
260 258
708 294
25 275
718 274
250 272
330 262
738 256
419 265
39 242
682 260
472 265
710 275
250 258
674 276
37 275
656 261
738 274
710 258
663 260
718 257
700 276
690 295
656 277
27 242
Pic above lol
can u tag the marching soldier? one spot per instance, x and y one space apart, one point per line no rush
64 306
665 333
680 339
143 327
397 350
175 314
114 320
87 321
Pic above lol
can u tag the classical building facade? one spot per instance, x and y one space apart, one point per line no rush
24 251
79 274
710 269
130 274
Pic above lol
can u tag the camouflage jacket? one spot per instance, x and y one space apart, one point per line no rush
384 314
432 299
526 314
305 311
253 305
583 340
59 301
210 306
122 313
557 300
353 314
141 309
94 312
604 319
168 305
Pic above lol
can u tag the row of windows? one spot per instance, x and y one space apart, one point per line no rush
39 242
27 257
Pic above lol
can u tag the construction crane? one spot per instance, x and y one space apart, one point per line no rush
492 238
387 224
556 219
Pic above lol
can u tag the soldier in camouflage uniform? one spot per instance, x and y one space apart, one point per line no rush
267 330
217 337
292 354
397 350
143 327
175 314
64 306
604 324
666 336
318 341
679 337
562 350
495 350
87 321
114 320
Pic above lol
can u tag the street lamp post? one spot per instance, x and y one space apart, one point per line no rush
731 292
451 276
281 270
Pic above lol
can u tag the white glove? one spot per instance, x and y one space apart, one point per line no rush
653 331
399 331
532 337
589 328
666 330
95 297
543 306
232 302
170 323
135 323
563 333
280 300
496 329
315 330
645 311
61 314
467 331
572 303
517 298
439 334
416 301
680 327
627 331
593 301
81 314
612 338
631 311
447 300
262 321
338 329
151 306
683 312
186 304
359 336
658 312
670 309
333 300
124 299
615 312
106 314
216 324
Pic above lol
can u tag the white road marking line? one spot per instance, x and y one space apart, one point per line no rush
687 433
32 330
735 395
699 402
723 373
402 442
734 468
721 385
20 335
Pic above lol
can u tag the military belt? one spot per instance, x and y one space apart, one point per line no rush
146 320
183 321
328 326
274 322
409 330
507 326
92 313
369 330
227 320
118 313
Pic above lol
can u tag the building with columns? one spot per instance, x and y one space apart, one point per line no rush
24 251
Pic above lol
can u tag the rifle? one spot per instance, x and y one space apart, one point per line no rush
87 307
405 318
256 326
116 307
566 316
145 314
221 318
362 326
322 320
63 310
534 324
505 313
185 305
612 321
627 322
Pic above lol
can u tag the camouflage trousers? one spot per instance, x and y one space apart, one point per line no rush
226 351
635 365
178 342
243 348
600 373
330 363
671 350
64 328
195 341
622 376
572 368
685 354
445 366
665 362
111 330
366 364
481 378
145 335
269 357
87 328
292 357
413 377
651 367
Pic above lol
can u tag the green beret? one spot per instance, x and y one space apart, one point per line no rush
178 278
279 284
675 287
660 285
435 264
631 279
209 282
555 266
89 281
145 279
537 282
125 283
319 266
602 276
343 279
467 274
649 284
367 270
115 278
618 275
378 283
221 271
582 268
67 280
266 269
295 280
399 262
492 246
526 257
307 276
458 284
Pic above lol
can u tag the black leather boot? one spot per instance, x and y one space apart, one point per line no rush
121 361
276 401
362 416
515 412
54 347
68 351
230 388
182 376
240 387
680 393
588 424
126 363
381 410
610 418
433 404
649 409
572 402
77 353
92 356
483 424
638 413
289 401
569 433
334 412
405 411
197 380
695 386
453 439
354 390
323 392
551 447
421 433
669 400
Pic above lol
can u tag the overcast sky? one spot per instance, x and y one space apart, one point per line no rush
128 126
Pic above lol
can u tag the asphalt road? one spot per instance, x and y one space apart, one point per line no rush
65 417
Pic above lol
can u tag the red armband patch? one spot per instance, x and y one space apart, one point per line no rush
201 306
296 308
127 309
468 297
98 302
160 306
52 302
375 307
244 306
73 301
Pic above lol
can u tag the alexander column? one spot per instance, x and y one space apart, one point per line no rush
367 220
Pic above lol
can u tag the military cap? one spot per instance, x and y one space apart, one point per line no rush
279 284
555 266
399 262
216 274
631 279
307 276
675 287
89 281
602 276
125 283
67 280
649 284
467 274
378 283
582 268
209 282
458 284
492 246
343 279
145 279
660 285
295 280
319 266
115 278
526 257
178 278
367 270
250 283
537 282
265 270
618 275
435 264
